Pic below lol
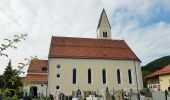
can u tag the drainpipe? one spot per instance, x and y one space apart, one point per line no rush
136 81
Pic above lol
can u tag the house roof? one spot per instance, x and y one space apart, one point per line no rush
38 66
152 74
36 79
163 71
88 48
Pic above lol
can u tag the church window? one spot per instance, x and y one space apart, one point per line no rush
130 76
104 76
74 76
58 66
58 75
57 87
104 34
118 77
89 76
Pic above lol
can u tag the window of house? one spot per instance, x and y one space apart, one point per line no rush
130 76
74 76
104 34
44 68
58 66
104 76
118 77
89 76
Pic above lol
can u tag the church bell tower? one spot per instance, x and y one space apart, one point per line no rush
104 27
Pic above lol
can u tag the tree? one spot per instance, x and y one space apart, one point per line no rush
10 84
11 80
10 43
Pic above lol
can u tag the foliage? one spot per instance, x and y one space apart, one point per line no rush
10 85
154 65
11 43
144 73
45 98
10 80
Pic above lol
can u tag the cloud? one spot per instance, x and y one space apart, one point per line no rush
41 19
149 42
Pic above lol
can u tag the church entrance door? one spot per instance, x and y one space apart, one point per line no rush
33 91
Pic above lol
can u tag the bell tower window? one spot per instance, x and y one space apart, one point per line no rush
104 34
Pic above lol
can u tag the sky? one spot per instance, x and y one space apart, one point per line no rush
143 24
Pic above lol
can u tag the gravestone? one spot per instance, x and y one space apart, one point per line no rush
142 97
158 96
168 98
118 95
134 96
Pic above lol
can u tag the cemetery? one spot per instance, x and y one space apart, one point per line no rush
111 95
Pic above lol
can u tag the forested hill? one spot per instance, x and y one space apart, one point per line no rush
156 64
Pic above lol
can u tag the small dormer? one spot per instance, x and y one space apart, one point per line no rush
104 27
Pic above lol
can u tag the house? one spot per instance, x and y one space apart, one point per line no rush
159 79
153 81
35 82
90 64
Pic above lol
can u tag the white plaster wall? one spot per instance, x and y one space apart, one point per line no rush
139 75
40 89
82 65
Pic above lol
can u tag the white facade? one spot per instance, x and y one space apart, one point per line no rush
41 89
65 82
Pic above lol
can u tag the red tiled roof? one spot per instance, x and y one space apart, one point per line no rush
37 66
69 47
37 79
164 70
152 74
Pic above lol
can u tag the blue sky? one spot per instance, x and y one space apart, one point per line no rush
144 25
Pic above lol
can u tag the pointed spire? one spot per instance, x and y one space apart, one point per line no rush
104 27
101 16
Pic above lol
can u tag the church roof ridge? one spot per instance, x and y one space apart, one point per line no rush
87 38
71 47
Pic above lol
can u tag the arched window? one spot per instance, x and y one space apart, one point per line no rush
89 76
104 76
74 76
118 77
130 76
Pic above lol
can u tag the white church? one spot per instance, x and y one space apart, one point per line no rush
88 64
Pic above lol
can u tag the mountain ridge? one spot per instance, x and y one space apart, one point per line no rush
157 64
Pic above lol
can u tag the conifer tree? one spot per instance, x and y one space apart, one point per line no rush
11 79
